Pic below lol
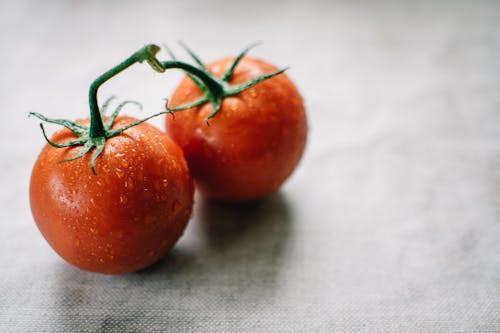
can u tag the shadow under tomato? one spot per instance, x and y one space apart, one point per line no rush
232 256
245 245
254 228
235 250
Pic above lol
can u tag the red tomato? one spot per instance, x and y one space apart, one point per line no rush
253 143
125 217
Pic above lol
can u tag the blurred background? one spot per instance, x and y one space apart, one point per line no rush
391 223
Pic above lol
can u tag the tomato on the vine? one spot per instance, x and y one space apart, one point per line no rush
127 215
255 138
132 204
121 208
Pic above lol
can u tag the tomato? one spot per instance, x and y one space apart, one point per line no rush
111 194
253 143
127 215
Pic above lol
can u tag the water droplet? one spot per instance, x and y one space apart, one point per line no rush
119 172
165 183
146 194
125 163
123 199
129 183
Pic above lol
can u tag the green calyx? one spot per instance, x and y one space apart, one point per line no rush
95 135
214 89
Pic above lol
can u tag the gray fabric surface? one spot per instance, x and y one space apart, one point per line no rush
390 224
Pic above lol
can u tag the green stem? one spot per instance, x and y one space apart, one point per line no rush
97 129
215 88
97 133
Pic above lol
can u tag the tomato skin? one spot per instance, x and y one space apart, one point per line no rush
124 218
255 141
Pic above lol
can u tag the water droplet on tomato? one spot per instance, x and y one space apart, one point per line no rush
129 184
146 194
119 172
123 199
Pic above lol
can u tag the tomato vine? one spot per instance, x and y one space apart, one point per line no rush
94 136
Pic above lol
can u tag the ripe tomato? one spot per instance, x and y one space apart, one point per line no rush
253 143
127 215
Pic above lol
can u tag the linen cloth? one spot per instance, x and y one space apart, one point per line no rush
391 223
